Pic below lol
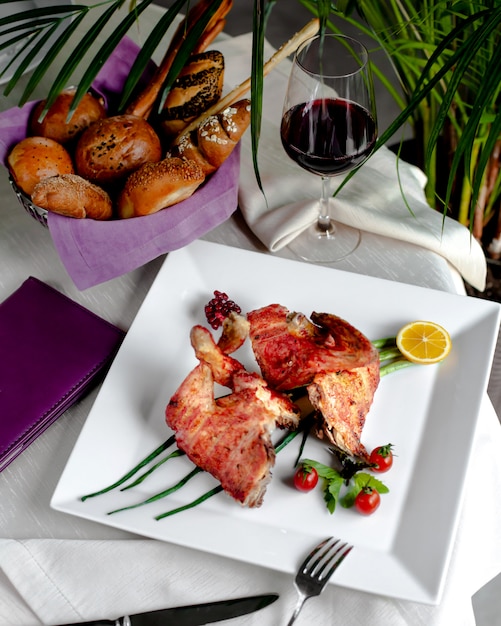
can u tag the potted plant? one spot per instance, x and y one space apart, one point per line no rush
447 56
445 53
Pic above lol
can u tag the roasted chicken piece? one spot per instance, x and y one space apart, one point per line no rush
290 349
229 437
338 365
343 399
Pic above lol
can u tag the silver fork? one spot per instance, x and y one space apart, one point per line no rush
316 570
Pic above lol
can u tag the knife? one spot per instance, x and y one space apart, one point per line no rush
193 615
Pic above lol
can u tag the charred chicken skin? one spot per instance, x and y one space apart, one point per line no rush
335 362
229 437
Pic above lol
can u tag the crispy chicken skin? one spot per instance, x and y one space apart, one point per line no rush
335 361
229 437
290 349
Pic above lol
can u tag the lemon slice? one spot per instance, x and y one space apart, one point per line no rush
424 342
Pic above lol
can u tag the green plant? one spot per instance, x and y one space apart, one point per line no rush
446 55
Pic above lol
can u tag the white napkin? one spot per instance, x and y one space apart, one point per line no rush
371 201
53 581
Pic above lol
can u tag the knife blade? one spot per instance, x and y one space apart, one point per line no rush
192 615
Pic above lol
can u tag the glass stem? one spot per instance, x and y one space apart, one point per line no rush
325 223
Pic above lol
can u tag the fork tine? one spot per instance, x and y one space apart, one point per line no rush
315 551
337 560
327 557
312 577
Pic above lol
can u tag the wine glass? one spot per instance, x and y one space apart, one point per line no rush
329 127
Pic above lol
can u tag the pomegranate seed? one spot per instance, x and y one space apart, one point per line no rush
218 309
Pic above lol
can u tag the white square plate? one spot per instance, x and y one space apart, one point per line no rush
428 413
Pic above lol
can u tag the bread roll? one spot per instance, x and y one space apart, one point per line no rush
198 87
36 158
156 186
143 105
56 125
110 149
73 196
214 140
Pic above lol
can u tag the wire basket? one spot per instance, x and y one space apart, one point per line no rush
35 211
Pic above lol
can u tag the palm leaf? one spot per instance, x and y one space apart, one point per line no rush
34 27
29 18
18 55
49 58
147 50
105 52
38 42
459 62
87 41
470 133
259 19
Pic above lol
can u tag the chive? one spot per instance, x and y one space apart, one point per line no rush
394 366
141 464
139 480
389 353
199 500
286 440
384 342
308 420
162 494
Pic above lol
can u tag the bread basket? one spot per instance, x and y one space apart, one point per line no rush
35 211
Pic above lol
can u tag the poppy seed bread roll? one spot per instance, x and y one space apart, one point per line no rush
35 158
114 147
156 186
198 87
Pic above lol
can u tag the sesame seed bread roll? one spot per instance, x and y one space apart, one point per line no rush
73 196
35 158
56 124
214 140
156 186
111 148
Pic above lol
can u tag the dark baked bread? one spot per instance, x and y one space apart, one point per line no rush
112 148
198 87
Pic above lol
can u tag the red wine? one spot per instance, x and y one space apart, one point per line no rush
328 136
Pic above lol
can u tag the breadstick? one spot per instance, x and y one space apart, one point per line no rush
238 92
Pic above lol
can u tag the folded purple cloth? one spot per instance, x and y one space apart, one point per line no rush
94 252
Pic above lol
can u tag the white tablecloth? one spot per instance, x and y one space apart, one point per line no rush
55 568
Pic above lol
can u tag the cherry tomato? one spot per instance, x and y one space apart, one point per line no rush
305 478
367 501
381 458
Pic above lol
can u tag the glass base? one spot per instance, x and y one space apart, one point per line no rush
329 245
